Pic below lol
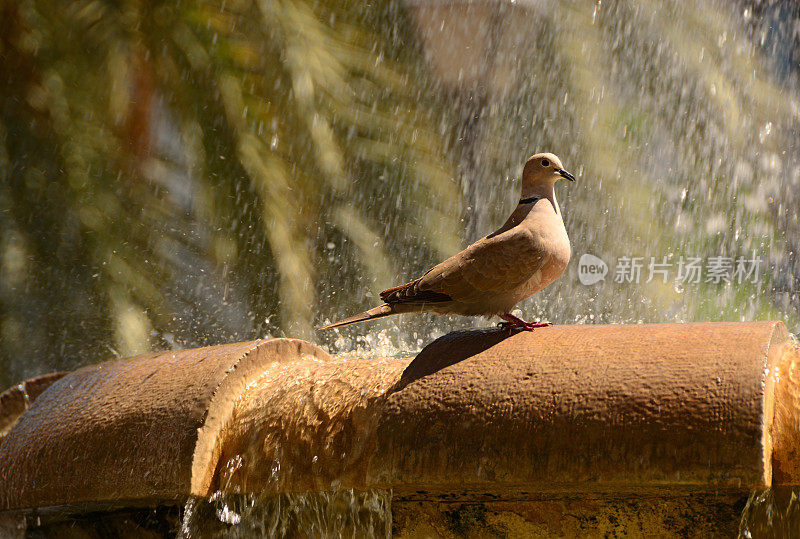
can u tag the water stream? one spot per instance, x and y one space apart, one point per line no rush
771 513
343 513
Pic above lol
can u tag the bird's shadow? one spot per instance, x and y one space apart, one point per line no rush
449 350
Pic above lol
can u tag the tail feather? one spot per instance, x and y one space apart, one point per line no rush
377 312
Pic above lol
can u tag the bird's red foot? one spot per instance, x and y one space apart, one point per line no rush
512 322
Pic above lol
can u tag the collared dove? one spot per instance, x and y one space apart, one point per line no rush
488 278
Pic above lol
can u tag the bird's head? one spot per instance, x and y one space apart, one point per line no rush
541 172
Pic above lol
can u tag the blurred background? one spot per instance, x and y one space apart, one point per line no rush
190 172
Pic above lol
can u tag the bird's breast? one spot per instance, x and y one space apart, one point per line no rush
551 241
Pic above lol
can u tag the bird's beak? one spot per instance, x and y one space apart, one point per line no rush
565 174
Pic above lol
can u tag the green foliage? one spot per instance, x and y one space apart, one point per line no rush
244 136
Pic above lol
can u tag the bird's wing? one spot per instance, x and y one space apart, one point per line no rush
497 263
494 264
410 293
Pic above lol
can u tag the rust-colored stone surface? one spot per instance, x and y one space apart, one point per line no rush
136 428
585 407
476 416
567 408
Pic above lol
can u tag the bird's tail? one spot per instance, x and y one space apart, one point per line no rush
377 312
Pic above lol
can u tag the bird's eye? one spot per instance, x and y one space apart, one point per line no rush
545 163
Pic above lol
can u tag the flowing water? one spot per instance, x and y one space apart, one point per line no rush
343 513
681 122
771 513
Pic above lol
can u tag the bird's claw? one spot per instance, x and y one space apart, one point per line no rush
512 322
507 326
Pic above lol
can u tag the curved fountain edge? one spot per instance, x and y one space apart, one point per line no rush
141 428
207 449
415 430
784 430
615 407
